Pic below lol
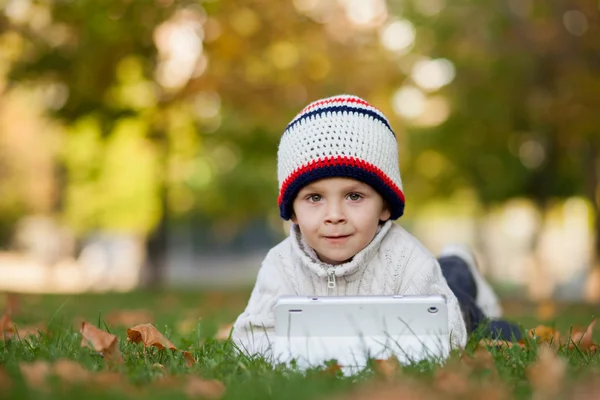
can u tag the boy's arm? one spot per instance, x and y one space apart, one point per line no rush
428 279
254 329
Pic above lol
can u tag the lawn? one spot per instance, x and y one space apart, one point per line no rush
53 364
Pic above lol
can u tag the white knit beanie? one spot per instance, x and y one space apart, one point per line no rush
340 136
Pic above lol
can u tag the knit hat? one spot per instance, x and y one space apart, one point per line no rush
340 136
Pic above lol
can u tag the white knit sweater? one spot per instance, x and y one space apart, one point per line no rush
394 263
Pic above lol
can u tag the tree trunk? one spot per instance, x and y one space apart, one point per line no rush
157 251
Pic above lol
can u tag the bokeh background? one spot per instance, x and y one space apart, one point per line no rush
138 138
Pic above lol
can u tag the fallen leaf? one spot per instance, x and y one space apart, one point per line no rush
198 387
582 338
224 332
546 375
150 336
545 334
108 379
70 371
332 369
129 317
500 344
396 391
452 382
35 373
101 341
27 331
387 368
480 360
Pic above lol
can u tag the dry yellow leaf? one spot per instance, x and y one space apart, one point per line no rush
27 331
546 375
545 334
224 332
582 338
101 341
129 317
481 360
387 368
149 336
500 344
451 382
70 371
35 373
198 387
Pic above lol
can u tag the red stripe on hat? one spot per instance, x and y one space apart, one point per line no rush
335 100
337 161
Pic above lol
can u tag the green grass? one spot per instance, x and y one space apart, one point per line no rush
244 378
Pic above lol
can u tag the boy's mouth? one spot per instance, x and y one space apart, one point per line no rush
336 238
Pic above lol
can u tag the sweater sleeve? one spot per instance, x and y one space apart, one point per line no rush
428 279
254 329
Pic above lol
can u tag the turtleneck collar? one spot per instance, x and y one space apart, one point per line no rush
309 259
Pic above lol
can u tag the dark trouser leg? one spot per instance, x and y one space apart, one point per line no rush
461 282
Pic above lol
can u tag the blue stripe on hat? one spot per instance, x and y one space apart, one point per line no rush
340 109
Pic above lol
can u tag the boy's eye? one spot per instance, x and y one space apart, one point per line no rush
314 198
354 196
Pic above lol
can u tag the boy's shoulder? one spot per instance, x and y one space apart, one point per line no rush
281 250
400 239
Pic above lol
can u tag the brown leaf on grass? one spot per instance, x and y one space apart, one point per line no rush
387 391
480 360
545 334
332 369
546 375
101 341
149 336
451 382
198 387
35 373
129 317
582 338
388 368
224 332
70 371
501 344
24 332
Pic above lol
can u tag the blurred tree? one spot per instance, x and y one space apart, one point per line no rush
523 119
176 107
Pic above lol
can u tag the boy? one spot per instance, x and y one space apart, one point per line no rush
340 185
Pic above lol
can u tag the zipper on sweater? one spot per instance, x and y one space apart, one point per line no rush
331 278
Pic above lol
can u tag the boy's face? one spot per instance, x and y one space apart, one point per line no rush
338 217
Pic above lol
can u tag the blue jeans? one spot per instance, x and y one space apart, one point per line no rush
461 282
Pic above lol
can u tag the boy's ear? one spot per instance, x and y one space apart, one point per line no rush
385 213
293 218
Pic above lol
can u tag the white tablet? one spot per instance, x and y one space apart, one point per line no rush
352 329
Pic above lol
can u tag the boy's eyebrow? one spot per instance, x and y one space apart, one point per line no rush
349 188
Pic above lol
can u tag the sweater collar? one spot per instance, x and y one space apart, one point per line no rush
309 259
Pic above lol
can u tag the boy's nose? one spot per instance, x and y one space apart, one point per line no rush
335 214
